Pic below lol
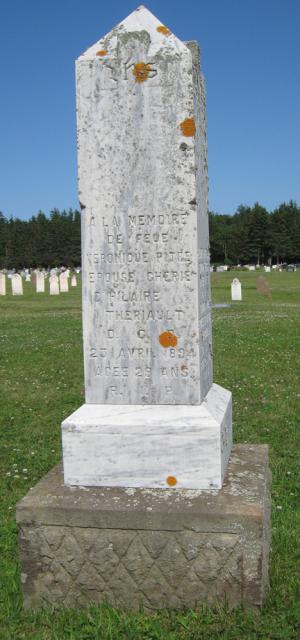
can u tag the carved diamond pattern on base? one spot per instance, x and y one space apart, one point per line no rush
130 569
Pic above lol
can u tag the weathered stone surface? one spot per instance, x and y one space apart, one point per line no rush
40 282
149 446
16 285
143 184
161 549
236 290
54 285
2 284
143 189
64 282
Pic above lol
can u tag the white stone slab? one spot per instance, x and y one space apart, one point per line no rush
143 190
2 284
73 281
40 282
236 290
54 285
64 282
149 446
16 285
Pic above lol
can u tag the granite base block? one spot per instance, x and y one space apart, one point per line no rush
149 548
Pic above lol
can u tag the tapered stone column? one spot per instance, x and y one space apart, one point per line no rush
152 416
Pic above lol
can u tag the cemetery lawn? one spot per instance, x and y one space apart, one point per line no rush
256 355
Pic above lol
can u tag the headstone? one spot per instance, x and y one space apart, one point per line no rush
28 277
54 285
2 284
40 282
251 267
236 290
73 281
263 287
64 282
152 418
16 285
146 275
267 269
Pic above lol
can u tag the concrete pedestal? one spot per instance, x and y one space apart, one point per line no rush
154 548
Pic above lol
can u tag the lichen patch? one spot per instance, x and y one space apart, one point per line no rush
168 339
163 29
171 481
187 127
141 71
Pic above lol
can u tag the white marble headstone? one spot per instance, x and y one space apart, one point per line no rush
2 284
16 285
142 164
54 285
73 281
236 290
40 282
64 282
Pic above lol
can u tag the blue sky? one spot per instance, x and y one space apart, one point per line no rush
251 61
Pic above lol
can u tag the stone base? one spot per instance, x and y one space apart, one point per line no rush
149 445
149 548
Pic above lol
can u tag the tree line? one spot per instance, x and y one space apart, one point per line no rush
251 235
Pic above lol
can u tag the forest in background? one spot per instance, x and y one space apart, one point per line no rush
251 236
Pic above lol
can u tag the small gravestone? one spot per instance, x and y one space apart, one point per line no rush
2 284
236 290
267 269
73 281
16 285
251 267
54 285
40 282
262 287
64 282
157 528
28 277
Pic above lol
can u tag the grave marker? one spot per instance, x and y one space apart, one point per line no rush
64 282
16 285
54 285
152 418
2 284
40 282
146 273
236 290
73 281
262 287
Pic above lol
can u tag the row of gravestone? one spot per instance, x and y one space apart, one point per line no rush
57 284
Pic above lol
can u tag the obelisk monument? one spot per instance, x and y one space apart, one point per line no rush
152 417
130 532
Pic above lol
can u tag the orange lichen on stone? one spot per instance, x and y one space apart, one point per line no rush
164 30
187 127
168 339
141 71
171 481
102 52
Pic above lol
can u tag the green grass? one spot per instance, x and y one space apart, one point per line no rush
256 355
